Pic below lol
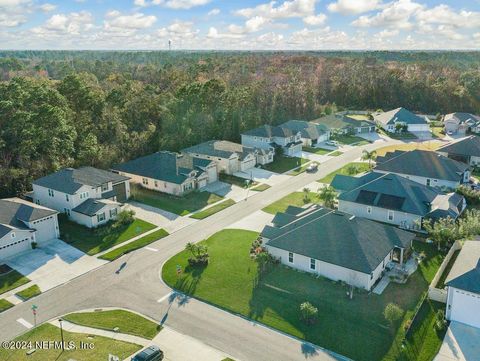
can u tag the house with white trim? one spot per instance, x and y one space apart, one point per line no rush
461 123
401 116
268 136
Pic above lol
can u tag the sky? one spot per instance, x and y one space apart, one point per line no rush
240 25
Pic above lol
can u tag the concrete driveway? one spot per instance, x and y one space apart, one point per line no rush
254 222
461 343
154 215
53 264
263 176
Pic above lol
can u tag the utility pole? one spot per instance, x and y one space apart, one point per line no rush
169 44
61 334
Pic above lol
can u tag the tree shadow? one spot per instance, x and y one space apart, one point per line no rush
308 350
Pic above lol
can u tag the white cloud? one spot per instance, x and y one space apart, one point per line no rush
443 14
213 33
214 12
173 4
14 12
73 23
118 21
288 9
394 15
251 25
178 30
315 20
47 7
350 7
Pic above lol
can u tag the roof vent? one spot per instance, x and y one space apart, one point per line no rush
351 218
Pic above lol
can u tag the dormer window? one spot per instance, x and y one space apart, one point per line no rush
51 193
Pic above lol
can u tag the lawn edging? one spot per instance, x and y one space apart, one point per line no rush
211 210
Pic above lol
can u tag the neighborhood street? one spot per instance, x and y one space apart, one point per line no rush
134 282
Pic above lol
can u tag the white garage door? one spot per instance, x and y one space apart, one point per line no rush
14 247
466 308
418 128
45 229
247 164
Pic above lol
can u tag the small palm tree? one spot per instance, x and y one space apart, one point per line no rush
369 156
327 194
306 195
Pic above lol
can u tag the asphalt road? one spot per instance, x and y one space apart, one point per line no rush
133 282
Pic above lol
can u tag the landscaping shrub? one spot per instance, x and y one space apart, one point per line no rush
472 196
125 218
308 312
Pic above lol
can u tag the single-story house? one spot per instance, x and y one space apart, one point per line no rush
465 150
335 245
343 124
311 133
268 136
22 223
390 198
461 123
425 167
463 283
401 116
68 189
169 172
230 157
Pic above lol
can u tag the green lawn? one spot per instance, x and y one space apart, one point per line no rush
29 292
11 280
132 246
355 328
213 209
345 170
300 170
359 117
350 139
179 205
5 305
238 181
127 322
260 188
441 282
432 145
283 164
102 346
438 132
336 153
93 241
319 151
293 199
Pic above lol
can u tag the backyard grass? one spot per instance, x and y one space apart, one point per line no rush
359 117
319 151
179 205
93 241
213 209
438 132
293 199
350 139
283 164
260 188
351 169
11 280
5 305
102 346
441 281
29 292
433 145
238 181
132 246
127 322
355 328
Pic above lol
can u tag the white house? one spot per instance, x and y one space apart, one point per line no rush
266 136
463 282
429 168
466 150
390 198
401 116
169 172
230 157
335 245
23 223
310 133
461 123
71 191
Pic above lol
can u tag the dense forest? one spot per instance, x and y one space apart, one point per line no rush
62 109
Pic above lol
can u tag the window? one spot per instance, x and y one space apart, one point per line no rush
290 257
113 213
156 183
67 198
390 215
145 181
51 193
428 182
101 217
66 211
104 187
369 210
312 263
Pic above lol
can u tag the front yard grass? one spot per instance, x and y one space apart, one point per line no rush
132 246
47 332
93 241
355 328
213 209
179 205
319 151
12 280
260 188
5 305
351 169
127 322
283 164
432 145
350 139
293 199
29 292
438 132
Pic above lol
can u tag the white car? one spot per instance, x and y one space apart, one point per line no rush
332 143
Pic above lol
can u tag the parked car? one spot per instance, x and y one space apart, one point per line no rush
151 353
312 168
332 143
449 132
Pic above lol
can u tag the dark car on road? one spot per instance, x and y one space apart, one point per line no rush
152 353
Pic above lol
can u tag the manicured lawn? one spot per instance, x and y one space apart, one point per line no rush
29 292
102 346
352 169
179 205
127 322
283 164
238 181
319 151
93 241
260 188
132 246
355 328
443 277
300 170
336 153
438 132
213 209
11 280
350 139
5 305
293 199
433 145
359 117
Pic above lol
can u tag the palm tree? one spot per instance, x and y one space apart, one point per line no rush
327 194
306 195
369 156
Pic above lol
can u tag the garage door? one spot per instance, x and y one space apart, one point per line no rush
13 248
364 130
247 164
465 308
45 229
418 128
121 192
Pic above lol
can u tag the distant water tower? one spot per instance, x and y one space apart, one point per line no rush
169 44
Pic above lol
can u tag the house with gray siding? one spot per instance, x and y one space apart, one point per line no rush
343 124
401 116
335 245
311 133
466 150
268 136
461 123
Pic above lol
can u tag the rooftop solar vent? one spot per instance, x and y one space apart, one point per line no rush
351 218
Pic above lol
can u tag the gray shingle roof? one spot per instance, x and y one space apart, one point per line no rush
269 131
391 191
90 207
308 130
399 115
338 238
463 118
469 146
70 180
165 166
465 273
220 149
337 121
422 163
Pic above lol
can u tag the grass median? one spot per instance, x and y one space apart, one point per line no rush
29 292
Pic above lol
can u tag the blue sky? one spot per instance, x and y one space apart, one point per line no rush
247 24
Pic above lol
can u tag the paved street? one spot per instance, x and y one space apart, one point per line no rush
133 282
